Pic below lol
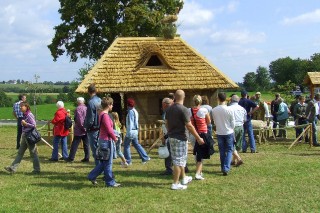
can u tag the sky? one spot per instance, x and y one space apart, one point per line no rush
236 36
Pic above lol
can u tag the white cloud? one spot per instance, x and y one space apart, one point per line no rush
237 37
193 15
306 18
232 6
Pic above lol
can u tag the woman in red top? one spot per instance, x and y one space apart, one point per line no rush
106 148
200 119
60 133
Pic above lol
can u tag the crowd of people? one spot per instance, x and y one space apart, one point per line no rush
99 129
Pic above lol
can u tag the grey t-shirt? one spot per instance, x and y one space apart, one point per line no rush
177 117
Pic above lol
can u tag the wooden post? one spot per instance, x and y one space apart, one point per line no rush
310 135
49 131
302 133
149 133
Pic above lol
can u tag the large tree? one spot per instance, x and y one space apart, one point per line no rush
263 79
89 26
250 81
285 69
315 62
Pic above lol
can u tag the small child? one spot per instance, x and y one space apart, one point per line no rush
119 142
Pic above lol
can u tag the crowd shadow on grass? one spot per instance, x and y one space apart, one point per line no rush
303 154
66 186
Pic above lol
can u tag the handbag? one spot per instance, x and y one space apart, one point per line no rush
33 136
163 151
208 147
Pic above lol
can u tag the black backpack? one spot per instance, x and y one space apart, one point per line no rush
67 123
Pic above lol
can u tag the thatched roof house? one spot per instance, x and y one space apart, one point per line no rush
312 79
147 68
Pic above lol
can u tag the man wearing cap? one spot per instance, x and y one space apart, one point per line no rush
250 107
263 110
132 126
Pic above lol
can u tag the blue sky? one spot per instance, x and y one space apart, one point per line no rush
235 36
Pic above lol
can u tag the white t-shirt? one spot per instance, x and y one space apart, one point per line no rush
201 112
224 120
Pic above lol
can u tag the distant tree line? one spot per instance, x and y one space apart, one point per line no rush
18 81
280 72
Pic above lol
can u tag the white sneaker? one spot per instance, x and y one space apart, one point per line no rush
178 186
199 177
186 180
144 162
124 165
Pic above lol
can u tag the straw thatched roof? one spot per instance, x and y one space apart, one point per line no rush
144 64
312 78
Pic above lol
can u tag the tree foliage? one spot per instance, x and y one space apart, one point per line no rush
263 79
5 101
284 69
249 81
89 26
285 91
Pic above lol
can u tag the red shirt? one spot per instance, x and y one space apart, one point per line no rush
58 122
200 117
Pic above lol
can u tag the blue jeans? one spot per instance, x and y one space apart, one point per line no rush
314 132
225 143
126 149
118 148
75 144
247 128
104 166
209 127
64 147
93 141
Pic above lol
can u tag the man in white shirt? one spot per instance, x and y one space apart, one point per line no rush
240 116
225 123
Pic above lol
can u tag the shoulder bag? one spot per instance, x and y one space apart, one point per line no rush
33 136
206 149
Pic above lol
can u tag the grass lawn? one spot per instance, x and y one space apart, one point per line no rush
274 180
44 111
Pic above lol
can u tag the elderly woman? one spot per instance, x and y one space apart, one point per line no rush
282 117
60 132
28 123
200 119
105 149
79 131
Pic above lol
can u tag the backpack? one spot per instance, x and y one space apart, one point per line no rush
67 123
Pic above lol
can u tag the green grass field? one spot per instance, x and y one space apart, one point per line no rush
274 180
44 111
24 86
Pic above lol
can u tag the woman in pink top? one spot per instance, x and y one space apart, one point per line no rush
105 150
200 119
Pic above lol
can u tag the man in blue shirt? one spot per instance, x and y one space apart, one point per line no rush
17 113
132 126
91 122
250 107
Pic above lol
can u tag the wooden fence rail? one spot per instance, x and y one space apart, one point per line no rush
148 133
